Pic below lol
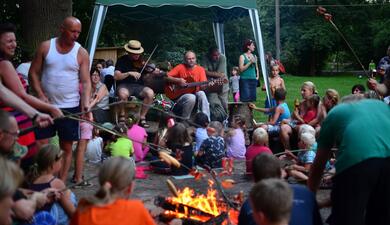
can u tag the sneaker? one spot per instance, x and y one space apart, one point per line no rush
83 184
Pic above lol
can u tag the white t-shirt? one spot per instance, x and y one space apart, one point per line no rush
93 154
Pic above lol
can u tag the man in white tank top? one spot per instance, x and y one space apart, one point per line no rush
59 67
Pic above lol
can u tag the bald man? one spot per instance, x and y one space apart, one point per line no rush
59 66
186 97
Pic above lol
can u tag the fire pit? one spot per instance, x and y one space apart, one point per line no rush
195 208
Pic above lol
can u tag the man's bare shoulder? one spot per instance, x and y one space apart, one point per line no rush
83 52
44 46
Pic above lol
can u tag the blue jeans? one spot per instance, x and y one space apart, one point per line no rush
248 90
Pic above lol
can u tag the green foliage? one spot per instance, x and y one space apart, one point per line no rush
308 41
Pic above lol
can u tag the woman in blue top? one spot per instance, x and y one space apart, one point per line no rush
249 72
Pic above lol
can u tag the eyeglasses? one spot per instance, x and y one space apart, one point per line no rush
14 134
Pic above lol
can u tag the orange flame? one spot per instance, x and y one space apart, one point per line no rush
205 203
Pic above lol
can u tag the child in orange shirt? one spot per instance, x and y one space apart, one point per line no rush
111 203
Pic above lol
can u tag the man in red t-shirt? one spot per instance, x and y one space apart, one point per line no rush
182 92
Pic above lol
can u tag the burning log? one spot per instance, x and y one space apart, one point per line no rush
189 215
166 204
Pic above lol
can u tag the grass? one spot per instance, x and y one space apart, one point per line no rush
342 83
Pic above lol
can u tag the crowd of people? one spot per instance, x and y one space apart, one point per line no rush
344 138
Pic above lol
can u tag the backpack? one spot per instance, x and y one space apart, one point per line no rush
281 67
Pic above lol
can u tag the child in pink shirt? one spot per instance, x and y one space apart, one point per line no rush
259 146
139 136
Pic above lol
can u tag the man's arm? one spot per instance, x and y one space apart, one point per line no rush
85 79
36 70
118 75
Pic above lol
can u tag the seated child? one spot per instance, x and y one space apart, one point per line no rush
180 142
304 159
259 145
42 176
235 139
202 121
272 201
280 113
93 154
311 109
138 136
121 146
111 204
212 149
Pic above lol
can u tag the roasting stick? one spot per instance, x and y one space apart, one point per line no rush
172 188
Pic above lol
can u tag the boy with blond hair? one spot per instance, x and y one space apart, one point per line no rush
259 145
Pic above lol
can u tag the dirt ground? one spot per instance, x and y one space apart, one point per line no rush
155 185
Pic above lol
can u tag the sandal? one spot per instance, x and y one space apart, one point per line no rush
143 123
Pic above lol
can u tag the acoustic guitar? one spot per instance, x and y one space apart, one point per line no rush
173 91
214 88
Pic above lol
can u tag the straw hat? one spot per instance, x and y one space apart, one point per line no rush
134 46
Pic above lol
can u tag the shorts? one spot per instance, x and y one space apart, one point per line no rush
273 129
85 131
67 129
134 89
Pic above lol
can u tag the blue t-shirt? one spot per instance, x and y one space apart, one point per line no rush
304 210
200 136
306 156
286 112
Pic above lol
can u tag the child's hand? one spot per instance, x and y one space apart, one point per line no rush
252 106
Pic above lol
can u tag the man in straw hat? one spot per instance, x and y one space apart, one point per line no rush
128 77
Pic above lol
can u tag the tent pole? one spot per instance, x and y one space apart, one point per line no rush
99 14
259 40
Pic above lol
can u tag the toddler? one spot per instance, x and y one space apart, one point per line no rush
138 136
121 146
93 153
235 139
304 159
202 121
259 145
212 149
234 83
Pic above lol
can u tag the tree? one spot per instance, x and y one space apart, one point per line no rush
41 20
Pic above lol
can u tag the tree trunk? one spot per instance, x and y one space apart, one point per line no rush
41 20
313 63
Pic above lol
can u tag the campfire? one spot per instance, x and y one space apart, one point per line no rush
195 208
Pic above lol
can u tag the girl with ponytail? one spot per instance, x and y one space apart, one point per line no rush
111 204
43 175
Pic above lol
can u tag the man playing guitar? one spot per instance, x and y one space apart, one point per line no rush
183 75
